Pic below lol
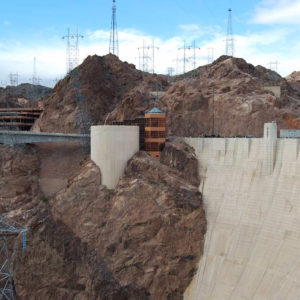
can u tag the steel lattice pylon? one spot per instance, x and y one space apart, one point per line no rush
8 229
114 41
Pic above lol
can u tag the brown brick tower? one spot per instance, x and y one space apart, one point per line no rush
155 131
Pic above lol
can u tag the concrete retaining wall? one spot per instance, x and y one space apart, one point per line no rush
111 148
252 245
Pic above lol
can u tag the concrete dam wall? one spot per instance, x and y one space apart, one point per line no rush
251 192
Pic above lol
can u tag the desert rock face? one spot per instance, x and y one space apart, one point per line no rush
19 181
142 240
228 98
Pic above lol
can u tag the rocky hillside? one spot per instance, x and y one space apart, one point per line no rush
23 95
93 90
140 241
229 98
294 80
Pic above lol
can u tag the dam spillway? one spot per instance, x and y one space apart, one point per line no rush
251 194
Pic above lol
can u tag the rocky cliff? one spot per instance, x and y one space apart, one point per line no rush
140 241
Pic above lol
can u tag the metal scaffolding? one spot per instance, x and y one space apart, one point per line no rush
8 229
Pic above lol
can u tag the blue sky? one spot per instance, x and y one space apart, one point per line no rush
265 30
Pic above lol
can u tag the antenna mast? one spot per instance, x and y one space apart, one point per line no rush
72 57
229 39
113 41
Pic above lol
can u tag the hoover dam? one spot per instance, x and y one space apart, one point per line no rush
251 194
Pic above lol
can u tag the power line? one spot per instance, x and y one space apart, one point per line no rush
72 55
114 41
229 39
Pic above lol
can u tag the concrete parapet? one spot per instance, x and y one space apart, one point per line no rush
111 148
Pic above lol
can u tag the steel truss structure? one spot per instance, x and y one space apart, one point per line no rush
8 229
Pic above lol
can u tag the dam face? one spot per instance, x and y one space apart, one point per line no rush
251 194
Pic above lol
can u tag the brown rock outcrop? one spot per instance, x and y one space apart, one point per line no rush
19 181
140 241
92 91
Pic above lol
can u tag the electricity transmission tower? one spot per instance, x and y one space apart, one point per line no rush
229 39
144 58
187 58
34 79
273 65
194 48
171 72
184 59
14 79
8 230
113 41
72 57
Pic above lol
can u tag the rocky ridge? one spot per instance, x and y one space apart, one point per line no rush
23 95
93 90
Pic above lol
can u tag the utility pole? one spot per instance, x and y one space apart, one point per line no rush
229 39
72 55
114 41
14 79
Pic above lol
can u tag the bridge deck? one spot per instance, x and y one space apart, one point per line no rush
26 137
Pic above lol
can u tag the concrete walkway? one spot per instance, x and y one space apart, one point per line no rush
26 137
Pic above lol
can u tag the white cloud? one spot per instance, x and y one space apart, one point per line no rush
277 12
256 48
